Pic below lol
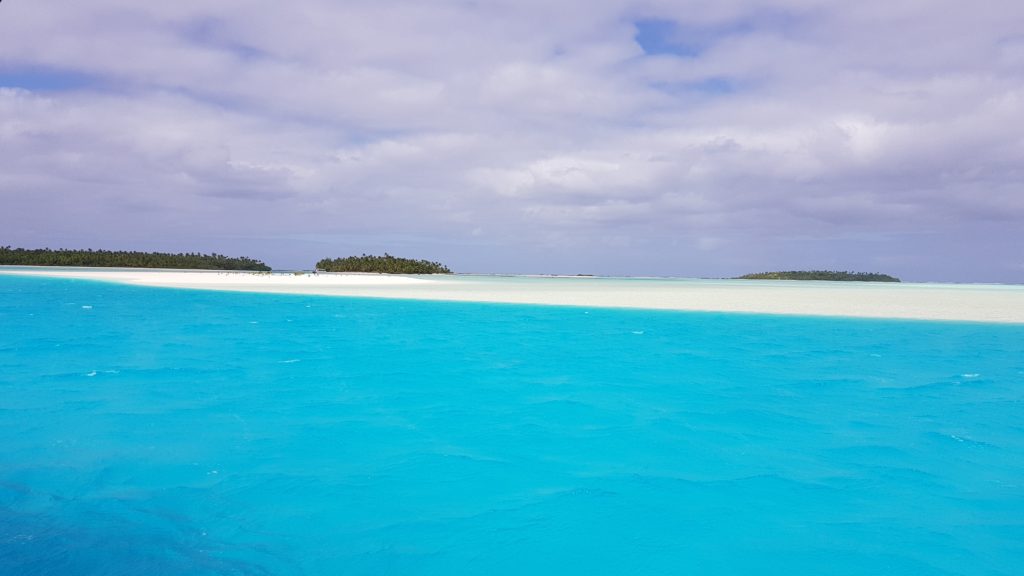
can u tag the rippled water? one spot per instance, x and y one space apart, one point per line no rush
186 432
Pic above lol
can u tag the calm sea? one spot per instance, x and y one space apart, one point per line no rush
158 431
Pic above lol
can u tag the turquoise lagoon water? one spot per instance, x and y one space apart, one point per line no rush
158 431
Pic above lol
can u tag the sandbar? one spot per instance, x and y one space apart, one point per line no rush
956 302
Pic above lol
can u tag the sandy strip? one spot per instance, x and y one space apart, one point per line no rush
983 303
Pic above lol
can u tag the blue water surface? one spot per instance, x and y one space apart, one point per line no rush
159 431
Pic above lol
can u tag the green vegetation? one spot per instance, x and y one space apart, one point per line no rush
122 259
821 275
386 264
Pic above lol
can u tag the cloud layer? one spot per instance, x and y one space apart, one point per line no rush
694 138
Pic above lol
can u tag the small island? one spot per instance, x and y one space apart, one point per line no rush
386 264
124 259
821 275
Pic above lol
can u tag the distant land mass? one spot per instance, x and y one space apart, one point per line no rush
821 275
123 259
386 264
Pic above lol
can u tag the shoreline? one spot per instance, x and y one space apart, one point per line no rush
952 302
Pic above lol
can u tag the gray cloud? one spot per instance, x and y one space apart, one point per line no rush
524 136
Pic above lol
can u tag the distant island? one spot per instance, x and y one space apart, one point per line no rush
123 259
386 264
821 275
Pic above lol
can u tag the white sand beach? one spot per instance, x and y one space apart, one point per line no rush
966 302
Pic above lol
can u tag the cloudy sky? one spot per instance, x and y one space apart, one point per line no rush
657 137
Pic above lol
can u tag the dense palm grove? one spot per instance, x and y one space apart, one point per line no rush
123 259
386 264
821 275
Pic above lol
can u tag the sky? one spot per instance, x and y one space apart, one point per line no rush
693 138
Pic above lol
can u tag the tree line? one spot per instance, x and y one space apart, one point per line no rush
821 275
386 264
126 259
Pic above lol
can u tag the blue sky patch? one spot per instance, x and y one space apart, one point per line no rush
669 37
44 79
664 37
